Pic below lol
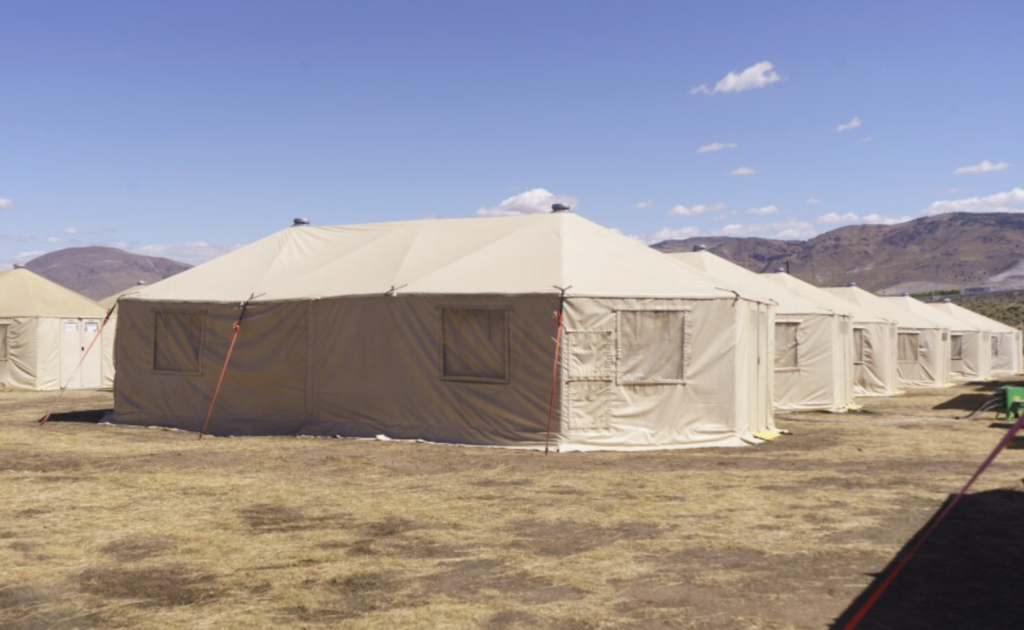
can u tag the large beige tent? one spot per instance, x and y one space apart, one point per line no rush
922 346
444 330
873 350
1005 354
44 331
802 367
969 346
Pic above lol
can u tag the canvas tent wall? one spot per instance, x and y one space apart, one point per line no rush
796 379
969 346
922 346
44 331
1005 354
110 330
443 330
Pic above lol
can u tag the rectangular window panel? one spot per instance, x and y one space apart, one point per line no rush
859 339
178 342
907 347
92 327
70 327
995 345
4 330
651 347
474 345
958 347
787 347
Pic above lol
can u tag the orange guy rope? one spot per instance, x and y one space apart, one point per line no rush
227 359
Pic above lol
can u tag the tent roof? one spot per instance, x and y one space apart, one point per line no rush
26 294
975 319
823 298
747 283
942 319
888 309
529 254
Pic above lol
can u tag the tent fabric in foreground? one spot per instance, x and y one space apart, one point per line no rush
922 345
1007 353
969 346
444 330
44 331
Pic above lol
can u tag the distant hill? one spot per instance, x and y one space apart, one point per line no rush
948 251
99 272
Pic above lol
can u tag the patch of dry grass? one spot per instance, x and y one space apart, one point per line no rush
120 527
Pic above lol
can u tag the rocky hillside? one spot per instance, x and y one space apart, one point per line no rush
949 251
98 272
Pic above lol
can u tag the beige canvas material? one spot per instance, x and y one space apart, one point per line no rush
1006 354
971 363
444 331
45 326
930 365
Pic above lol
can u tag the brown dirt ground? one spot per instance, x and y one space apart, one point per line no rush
121 527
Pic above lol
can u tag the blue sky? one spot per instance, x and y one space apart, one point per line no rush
187 128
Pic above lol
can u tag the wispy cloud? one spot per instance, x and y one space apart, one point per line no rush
193 253
835 217
673 234
644 205
743 171
877 219
764 210
813 200
759 75
71 231
982 167
6 204
853 123
17 238
714 147
787 230
1009 201
689 211
865 139
534 201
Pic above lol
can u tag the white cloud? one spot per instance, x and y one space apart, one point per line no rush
764 210
689 211
983 167
673 234
17 238
6 204
71 230
23 257
630 236
732 228
52 239
743 171
865 138
778 229
644 205
835 217
716 146
193 253
852 124
877 219
1009 201
756 76
813 200
534 201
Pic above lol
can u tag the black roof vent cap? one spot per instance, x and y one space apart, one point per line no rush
300 221
560 207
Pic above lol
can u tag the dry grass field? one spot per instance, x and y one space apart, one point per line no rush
120 527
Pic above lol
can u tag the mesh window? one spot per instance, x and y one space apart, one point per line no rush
995 346
859 339
652 347
474 345
787 348
4 329
178 342
907 347
958 347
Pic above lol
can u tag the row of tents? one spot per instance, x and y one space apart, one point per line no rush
523 331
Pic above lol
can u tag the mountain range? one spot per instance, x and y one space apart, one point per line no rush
99 272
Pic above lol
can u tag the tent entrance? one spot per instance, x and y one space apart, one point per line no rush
75 336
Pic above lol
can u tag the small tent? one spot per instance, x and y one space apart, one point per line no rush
872 358
806 354
969 345
444 330
1006 353
45 330
922 346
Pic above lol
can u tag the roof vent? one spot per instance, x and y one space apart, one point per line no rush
300 221
780 270
700 248
851 284
560 207
140 283
19 266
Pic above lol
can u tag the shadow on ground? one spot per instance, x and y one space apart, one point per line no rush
90 416
967 575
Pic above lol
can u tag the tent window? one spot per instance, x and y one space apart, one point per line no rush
995 346
787 346
907 347
958 347
178 342
474 345
859 341
651 348
4 330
